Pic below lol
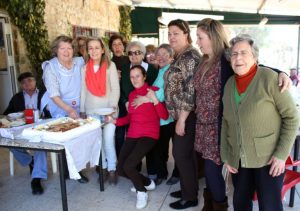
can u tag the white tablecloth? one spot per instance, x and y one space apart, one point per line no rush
79 151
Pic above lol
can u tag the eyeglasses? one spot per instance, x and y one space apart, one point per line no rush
163 55
150 55
243 54
137 53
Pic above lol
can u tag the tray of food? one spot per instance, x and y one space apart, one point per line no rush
11 128
12 120
61 129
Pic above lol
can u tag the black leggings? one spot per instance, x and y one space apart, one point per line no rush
157 158
132 153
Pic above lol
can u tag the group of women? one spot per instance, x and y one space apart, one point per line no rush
235 131
222 106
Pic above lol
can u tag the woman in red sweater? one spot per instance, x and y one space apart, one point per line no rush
143 132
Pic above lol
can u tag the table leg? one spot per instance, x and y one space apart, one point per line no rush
101 180
296 154
62 180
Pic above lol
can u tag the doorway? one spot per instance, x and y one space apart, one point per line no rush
8 85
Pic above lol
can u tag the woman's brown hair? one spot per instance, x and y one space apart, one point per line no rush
216 33
183 26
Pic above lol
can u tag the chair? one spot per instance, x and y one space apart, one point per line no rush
291 177
11 163
290 162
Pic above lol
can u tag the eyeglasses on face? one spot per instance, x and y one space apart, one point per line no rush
243 53
137 53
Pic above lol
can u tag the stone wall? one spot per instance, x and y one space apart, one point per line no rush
61 15
21 59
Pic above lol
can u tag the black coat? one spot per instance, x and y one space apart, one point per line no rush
17 104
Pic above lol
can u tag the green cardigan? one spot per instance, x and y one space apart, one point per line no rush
126 85
264 124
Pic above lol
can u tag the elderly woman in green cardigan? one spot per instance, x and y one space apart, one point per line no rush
258 129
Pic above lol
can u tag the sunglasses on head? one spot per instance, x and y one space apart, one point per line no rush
131 53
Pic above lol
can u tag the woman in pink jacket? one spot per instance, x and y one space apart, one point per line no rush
143 132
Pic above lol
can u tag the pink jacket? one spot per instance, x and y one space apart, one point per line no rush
144 120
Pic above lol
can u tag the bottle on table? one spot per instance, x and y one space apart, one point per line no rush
29 114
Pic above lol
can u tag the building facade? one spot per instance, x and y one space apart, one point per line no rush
69 17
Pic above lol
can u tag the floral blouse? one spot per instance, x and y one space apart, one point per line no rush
179 82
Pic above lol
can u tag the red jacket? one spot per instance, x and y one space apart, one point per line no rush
143 120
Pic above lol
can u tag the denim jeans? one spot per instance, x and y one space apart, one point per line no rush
109 158
40 169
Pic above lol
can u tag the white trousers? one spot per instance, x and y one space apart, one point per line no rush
109 158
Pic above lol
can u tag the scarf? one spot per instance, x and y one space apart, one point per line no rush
96 81
243 81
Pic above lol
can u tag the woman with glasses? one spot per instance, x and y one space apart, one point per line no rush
150 55
80 47
258 129
180 102
136 52
209 83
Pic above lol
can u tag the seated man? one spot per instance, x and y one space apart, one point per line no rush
29 95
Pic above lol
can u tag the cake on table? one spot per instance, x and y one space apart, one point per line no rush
61 129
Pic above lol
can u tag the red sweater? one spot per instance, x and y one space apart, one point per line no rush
144 120
243 81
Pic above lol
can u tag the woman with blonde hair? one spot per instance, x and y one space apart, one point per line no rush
100 89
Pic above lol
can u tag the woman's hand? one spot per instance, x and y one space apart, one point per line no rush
72 113
284 82
180 124
152 96
180 127
277 166
139 100
109 119
231 169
